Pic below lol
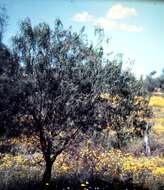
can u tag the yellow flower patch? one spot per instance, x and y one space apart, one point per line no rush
158 129
156 101
158 171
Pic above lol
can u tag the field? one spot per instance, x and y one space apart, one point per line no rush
81 95
21 165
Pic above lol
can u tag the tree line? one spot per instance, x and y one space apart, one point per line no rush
154 83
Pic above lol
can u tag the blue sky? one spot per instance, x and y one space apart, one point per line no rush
136 28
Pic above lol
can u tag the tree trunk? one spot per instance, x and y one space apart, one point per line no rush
47 175
119 141
146 142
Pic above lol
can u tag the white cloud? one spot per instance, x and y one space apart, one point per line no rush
130 28
109 21
82 17
116 12
119 11
105 23
108 24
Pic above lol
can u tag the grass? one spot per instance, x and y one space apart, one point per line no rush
91 162
90 166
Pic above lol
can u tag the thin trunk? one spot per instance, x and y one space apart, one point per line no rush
119 143
47 175
146 142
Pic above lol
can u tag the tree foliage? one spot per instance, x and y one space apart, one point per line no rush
60 84
153 83
128 102
3 21
8 89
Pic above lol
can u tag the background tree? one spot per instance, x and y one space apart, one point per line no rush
128 102
3 21
8 89
160 81
153 83
150 82
8 77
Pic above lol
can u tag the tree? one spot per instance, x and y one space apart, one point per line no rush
59 87
151 82
128 103
8 79
3 21
161 80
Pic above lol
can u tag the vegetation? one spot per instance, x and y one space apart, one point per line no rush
3 21
68 110
153 83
